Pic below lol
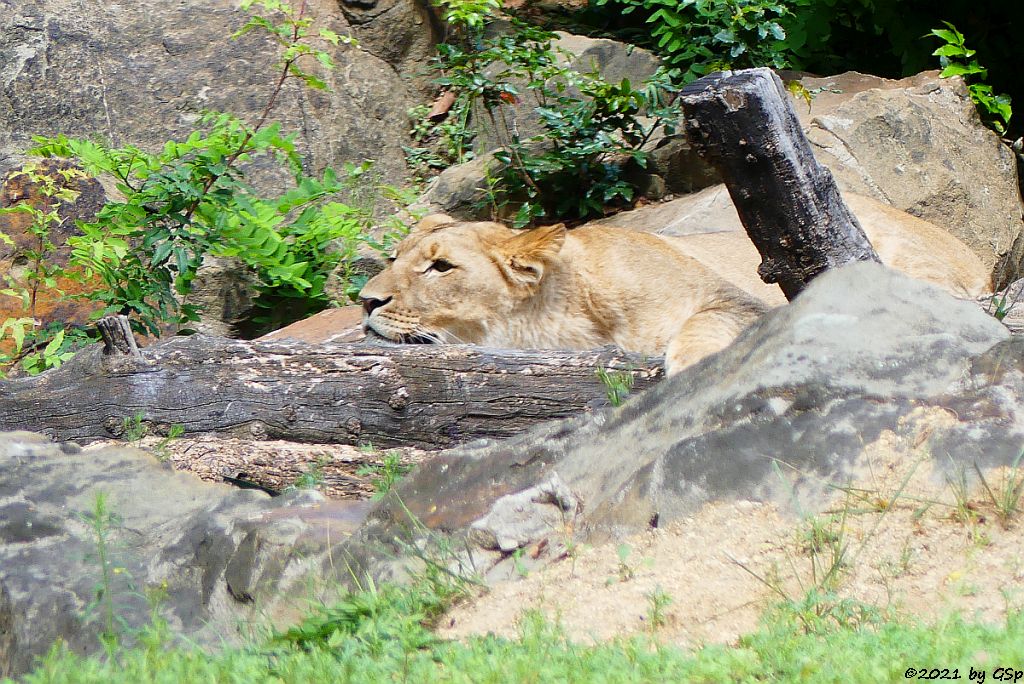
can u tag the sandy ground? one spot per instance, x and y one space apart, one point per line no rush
906 547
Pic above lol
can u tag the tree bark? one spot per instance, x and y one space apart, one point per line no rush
419 395
744 123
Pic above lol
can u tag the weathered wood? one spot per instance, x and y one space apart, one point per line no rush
117 336
422 395
744 122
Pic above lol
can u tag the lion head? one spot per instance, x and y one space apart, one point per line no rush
455 282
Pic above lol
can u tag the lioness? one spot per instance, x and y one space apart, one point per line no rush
484 283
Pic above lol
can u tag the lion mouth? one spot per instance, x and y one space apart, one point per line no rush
375 336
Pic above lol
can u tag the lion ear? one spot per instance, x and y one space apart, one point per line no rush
429 224
526 256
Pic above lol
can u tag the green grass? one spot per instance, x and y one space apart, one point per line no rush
383 635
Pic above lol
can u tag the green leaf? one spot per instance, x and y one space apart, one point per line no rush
160 254
956 69
54 345
18 333
325 60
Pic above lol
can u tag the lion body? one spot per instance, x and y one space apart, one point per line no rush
684 297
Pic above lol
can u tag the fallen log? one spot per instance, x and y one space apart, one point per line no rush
744 123
420 395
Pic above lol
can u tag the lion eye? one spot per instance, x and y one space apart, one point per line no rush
441 266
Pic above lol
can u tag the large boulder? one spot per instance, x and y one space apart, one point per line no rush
141 73
919 145
216 557
784 414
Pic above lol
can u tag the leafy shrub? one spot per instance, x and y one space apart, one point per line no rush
700 36
591 129
186 203
883 37
190 200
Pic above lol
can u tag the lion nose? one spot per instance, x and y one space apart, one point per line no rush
370 303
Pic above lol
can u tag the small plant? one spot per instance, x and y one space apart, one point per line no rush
1005 497
657 601
133 428
313 477
617 385
900 566
518 564
965 511
439 144
825 543
102 522
384 476
958 60
697 37
161 448
1002 302
30 343
624 570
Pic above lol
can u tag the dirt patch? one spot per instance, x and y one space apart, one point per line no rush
906 539
274 465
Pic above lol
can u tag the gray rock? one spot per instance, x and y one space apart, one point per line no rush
221 556
402 33
142 72
681 169
225 289
804 391
517 519
462 190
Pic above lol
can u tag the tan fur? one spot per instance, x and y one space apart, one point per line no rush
684 297
903 242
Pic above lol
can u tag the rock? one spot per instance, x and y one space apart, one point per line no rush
517 519
141 73
18 188
919 145
219 556
402 33
344 324
708 211
462 190
679 166
781 415
225 290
